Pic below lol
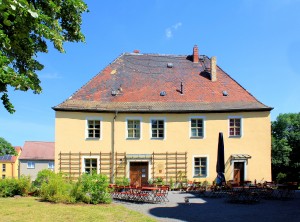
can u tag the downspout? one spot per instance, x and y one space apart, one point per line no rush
112 177
12 170
19 169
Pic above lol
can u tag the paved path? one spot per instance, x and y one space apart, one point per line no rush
217 209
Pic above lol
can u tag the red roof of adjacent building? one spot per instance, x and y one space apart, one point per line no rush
33 150
137 82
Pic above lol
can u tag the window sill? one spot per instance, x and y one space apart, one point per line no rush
154 138
92 139
129 138
235 136
204 176
196 137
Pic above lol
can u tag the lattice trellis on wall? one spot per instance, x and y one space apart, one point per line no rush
166 165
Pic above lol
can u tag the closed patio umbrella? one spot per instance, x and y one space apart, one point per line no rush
220 161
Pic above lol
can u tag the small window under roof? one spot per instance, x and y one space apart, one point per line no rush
170 65
163 93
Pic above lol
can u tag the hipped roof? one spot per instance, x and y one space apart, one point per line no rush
135 82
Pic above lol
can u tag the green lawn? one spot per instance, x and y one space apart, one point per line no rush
31 209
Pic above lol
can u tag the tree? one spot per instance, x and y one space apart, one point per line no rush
286 146
26 27
6 148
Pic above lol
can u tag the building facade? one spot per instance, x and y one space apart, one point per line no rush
148 115
35 157
10 164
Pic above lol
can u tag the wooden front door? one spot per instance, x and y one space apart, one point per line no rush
238 172
138 173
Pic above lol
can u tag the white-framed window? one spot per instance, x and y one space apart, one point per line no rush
197 127
30 165
3 167
200 166
235 126
3 176
93 128
133 128
90 164
158 128
51 165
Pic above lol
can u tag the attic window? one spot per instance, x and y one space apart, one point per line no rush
225 93
170 65
113 92
163 93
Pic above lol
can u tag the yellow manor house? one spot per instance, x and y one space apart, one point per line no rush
146 116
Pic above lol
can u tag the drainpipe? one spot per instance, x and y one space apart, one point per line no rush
112 177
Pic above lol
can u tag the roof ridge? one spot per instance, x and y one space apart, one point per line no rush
40 141
158 54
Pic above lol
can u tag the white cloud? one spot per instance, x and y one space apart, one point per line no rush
50 76
170 30
177 25
169 33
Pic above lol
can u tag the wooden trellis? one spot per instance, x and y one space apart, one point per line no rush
71 163
174 164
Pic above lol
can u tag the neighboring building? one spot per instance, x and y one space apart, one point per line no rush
9 164
151 115
35 157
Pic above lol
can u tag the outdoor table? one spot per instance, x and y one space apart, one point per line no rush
283 191
139 194
246 194
152 193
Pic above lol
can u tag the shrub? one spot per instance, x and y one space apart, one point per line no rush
77 191
171 182
281 177
23 185
56 189
42 176
95 188
8 187
123 181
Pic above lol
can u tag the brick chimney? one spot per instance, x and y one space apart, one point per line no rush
213 68
136 51
195 54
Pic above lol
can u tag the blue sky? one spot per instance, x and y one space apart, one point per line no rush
256 42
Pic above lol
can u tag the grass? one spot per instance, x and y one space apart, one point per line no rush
29 209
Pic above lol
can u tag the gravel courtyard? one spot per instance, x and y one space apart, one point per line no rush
217 209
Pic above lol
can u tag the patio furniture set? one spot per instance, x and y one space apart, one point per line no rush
140 194
248 193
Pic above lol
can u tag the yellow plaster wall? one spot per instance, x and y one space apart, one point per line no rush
11 170
255 140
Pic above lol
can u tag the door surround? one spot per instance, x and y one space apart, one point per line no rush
245 168
138 160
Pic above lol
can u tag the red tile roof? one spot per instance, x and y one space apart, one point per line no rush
138 79
37 151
